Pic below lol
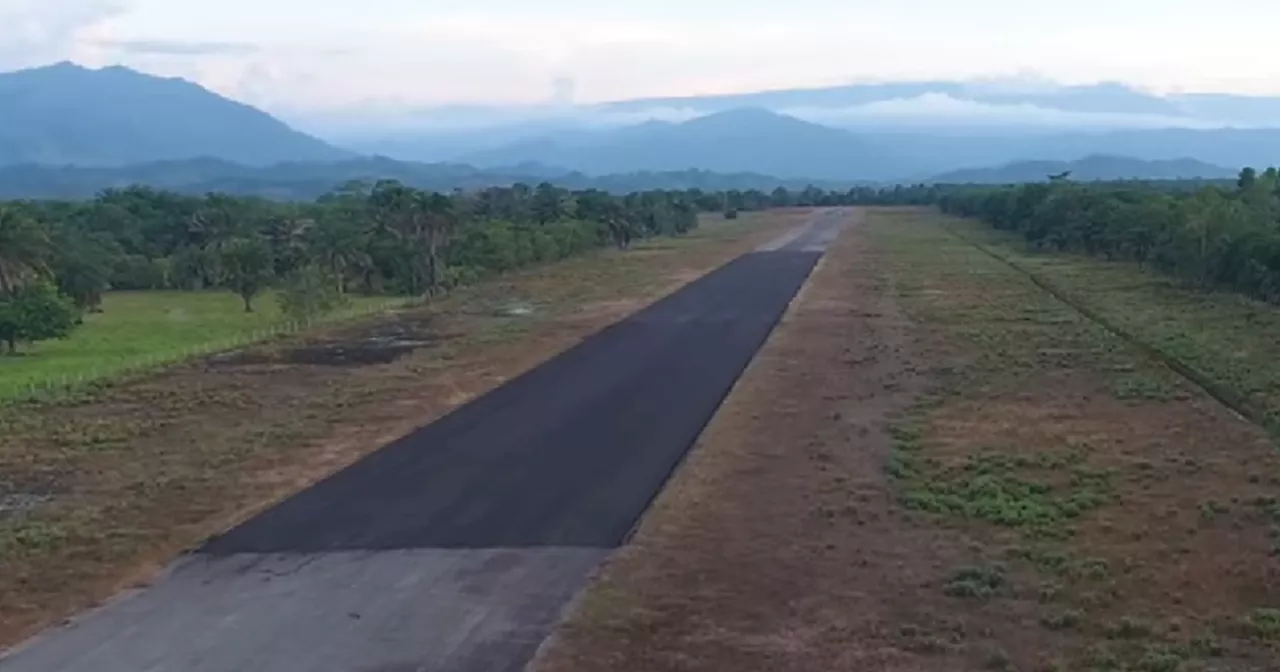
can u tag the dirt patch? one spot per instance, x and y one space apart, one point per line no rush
143 469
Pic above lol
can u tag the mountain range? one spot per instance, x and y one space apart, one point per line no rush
66 114
64 128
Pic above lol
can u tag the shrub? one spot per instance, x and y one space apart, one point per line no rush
309 291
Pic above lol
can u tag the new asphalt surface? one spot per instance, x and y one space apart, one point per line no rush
456 547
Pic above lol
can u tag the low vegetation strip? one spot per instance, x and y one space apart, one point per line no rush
1222 340
1107 514
99 489
937 465
1225 390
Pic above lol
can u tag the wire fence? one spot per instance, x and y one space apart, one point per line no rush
47 387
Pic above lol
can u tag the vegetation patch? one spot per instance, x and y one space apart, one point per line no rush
1010 490
975 582
1073 451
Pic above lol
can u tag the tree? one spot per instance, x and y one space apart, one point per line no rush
24 247
246 265
1248 177
548 204
339 245
83 265
441 225
780 198
35 312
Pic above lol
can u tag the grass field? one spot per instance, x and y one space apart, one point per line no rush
975 476
1116 515
1227 340
140 329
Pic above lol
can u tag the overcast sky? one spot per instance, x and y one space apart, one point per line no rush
312 54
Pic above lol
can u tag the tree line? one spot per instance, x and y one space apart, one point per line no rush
1212 237
57 258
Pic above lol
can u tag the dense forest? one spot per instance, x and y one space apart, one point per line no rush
57 258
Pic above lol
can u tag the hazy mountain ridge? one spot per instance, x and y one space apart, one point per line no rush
742 140
757 140
1089 169
115 117
68 115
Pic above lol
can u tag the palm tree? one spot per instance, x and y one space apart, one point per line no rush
339 246
24 248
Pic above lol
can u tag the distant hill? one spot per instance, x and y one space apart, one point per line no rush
760 141
739 140
68 115
307 181
1089 169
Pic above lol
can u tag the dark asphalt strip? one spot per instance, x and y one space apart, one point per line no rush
569 454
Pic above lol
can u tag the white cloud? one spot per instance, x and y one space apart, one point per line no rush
304 58
936 108
37 32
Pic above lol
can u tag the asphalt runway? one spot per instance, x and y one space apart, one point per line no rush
456 547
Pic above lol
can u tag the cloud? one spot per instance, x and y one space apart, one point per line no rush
36 32
179 48
935 108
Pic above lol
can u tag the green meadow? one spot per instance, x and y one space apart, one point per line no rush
136 330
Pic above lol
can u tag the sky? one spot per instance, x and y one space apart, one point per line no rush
327 55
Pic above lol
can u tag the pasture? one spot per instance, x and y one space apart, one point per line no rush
141 330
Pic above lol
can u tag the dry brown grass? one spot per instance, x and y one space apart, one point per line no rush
778 540
116 482
934 465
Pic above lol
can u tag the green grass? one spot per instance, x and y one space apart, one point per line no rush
1227 339
140 329
1046 440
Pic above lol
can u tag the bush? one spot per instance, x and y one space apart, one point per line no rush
308 292
138 272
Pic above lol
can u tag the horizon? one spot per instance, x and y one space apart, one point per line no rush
364 122
397 55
